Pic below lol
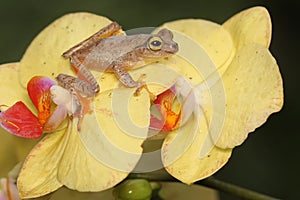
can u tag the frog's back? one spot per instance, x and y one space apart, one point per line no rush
110 49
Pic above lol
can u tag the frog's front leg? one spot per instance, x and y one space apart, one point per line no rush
124 77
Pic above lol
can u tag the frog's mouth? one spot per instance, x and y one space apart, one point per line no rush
172 48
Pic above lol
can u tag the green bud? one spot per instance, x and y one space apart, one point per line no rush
133 189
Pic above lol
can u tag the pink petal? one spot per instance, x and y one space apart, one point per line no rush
20 121
56 118
8 189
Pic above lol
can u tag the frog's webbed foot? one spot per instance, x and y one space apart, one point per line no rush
144 86
125 78
110 30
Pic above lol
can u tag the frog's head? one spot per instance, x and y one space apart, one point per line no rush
160 45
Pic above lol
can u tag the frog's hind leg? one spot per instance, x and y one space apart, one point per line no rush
86 81
80 104
72 83
112 29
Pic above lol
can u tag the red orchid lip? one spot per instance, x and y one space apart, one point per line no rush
19 120
168 119
39 92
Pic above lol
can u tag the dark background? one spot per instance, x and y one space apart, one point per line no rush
268 161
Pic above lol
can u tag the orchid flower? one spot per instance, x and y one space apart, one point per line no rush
237 87
60 157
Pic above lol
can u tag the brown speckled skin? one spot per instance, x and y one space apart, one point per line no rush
108 50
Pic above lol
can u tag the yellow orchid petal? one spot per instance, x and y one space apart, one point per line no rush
211 36
189 168
250 26
121 127
81 171
38 175
253 88
182 149
44 55
9 85
110 152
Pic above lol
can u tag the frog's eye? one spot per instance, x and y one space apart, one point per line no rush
155 43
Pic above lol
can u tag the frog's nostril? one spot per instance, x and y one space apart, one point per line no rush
174 47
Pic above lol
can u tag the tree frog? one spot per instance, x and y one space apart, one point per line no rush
112 51
109 50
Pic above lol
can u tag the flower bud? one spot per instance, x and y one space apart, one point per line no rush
134 189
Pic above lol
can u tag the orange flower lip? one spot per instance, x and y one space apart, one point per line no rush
39 92
168 118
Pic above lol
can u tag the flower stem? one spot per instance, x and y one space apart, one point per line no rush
233 189
211 182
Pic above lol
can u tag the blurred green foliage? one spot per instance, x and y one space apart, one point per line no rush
268 161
